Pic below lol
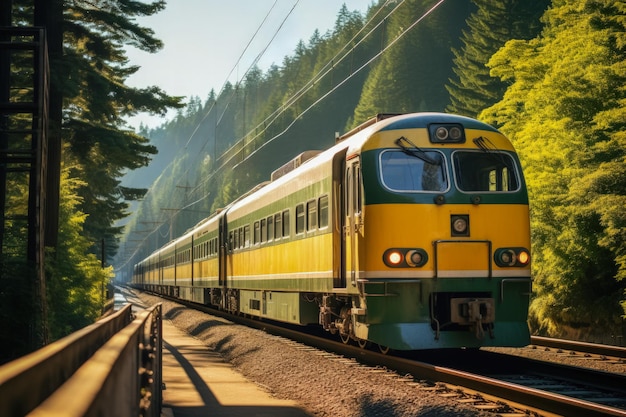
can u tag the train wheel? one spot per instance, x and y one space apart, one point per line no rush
345 338
383 349
362 343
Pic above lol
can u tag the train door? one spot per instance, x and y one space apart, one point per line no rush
222 241
338 221
159 265
352 223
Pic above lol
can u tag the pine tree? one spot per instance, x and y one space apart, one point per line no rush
411 74
492 24
91 76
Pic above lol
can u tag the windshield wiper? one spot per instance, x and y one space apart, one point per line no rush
484 144
489 148
414 150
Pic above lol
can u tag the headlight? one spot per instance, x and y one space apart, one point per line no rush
441 133
446 133
394 258
459 225
405 257
508 257
523 257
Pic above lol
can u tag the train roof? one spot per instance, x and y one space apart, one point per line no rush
353 141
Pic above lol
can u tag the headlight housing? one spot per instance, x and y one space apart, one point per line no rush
446 133
511 257
405 257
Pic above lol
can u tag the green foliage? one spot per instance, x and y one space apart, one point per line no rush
565 112
76 279
412 73
91 76
492 24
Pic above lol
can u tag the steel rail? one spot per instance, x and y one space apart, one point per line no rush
594 348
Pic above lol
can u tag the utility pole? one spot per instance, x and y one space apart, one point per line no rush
172 218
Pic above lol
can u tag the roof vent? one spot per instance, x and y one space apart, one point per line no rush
293 164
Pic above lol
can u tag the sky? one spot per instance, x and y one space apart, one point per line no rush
207 42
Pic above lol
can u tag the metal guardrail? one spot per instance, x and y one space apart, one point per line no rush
112 367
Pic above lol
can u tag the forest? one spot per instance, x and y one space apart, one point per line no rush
549 74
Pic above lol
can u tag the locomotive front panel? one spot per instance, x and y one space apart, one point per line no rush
445 258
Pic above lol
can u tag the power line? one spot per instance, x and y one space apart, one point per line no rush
234 67
307 86
326 69
274 116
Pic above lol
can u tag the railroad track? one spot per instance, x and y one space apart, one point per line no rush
602 351
526 386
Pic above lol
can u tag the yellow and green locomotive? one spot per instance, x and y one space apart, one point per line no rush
412 232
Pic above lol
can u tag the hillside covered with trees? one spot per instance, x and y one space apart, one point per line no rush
550 74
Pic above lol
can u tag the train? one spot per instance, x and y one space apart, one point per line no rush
411 232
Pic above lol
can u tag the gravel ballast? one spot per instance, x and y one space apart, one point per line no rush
324 385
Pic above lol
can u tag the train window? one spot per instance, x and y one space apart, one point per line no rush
300 218
286 224
409 173
490 172
323 210
270 228
263 230
257 233
278 226
241 242
236 240
246 236
311 221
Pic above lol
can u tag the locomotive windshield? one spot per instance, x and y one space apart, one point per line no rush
478 171
404 172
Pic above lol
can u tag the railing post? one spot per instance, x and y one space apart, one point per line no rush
150 366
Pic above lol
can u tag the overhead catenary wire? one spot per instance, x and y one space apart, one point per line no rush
326 69
254 35
207 113
283 109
